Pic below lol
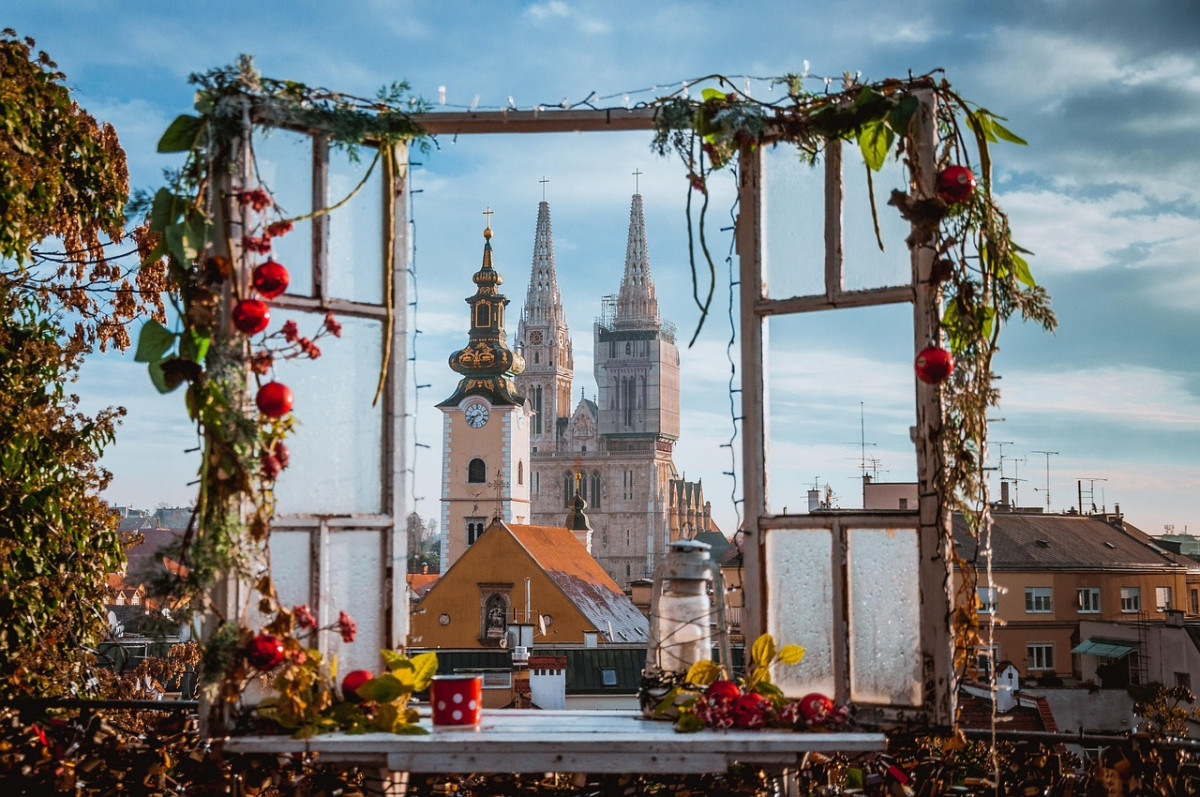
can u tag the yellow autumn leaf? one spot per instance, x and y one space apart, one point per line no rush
762 652
704 672
790 654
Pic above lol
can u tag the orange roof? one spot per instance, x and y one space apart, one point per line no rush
420 583
583 581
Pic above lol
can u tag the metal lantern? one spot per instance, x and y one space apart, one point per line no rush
681 612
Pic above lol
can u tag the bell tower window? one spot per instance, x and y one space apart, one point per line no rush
476 471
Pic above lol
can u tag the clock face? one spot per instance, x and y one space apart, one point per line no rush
535 337
477 415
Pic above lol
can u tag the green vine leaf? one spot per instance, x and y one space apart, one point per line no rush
181 134
154 341
875 139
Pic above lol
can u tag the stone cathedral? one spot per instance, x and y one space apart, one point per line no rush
615 452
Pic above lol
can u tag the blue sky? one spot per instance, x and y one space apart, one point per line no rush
1106 196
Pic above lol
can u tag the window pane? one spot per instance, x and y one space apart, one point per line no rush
794 203
356 586
885 616
355 231
284 162
291 562
821 367
337 449
800 610
794 243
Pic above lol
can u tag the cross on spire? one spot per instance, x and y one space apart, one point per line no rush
488 213
637 173
543 181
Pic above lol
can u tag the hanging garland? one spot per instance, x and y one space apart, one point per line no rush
981 272
217 248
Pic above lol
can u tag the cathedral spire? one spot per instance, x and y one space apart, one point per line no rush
637 305
543 301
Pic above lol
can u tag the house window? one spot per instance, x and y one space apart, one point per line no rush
987 599
1194 599
1039 656
1162 598
1131 599
1089 600
985 659
1183 679
1038 600
608 677
476 471
475 528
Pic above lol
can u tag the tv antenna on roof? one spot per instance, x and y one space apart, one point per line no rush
1048 455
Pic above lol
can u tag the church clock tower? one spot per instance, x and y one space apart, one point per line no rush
545 341
485 425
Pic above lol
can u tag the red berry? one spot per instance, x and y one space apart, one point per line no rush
955 184
933 365
270 279
815 707
274 399
250 316
751 710
722 690
352 681
264 652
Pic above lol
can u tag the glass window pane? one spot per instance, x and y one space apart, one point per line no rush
794 222
284 164
866 266
356 586
885 616
291 563
356 229
337 447
800 609
833 378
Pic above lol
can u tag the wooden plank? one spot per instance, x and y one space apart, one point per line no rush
320 223
563 741
395 418
868 297
548 120
834 280
939 680
753 289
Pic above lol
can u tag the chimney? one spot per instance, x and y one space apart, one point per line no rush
814 500
1004 494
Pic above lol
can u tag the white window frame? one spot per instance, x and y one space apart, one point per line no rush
938 684
1088 600
1131 600
1039 600
986 596
1039 657
1162 599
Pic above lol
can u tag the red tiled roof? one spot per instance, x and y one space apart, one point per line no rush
420 583
976 712
583 580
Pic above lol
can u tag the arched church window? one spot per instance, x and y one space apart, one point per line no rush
520 473
627 349
595 489
568 488
483 314
476 471
536 358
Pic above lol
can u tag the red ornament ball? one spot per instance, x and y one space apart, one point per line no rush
352 681
725 691
933 365
270 279
265 652
274 399
250 316
816 708
955 184
751 710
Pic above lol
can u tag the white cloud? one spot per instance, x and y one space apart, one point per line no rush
1127 394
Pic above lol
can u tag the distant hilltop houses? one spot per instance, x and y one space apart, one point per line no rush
520 447
148 532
